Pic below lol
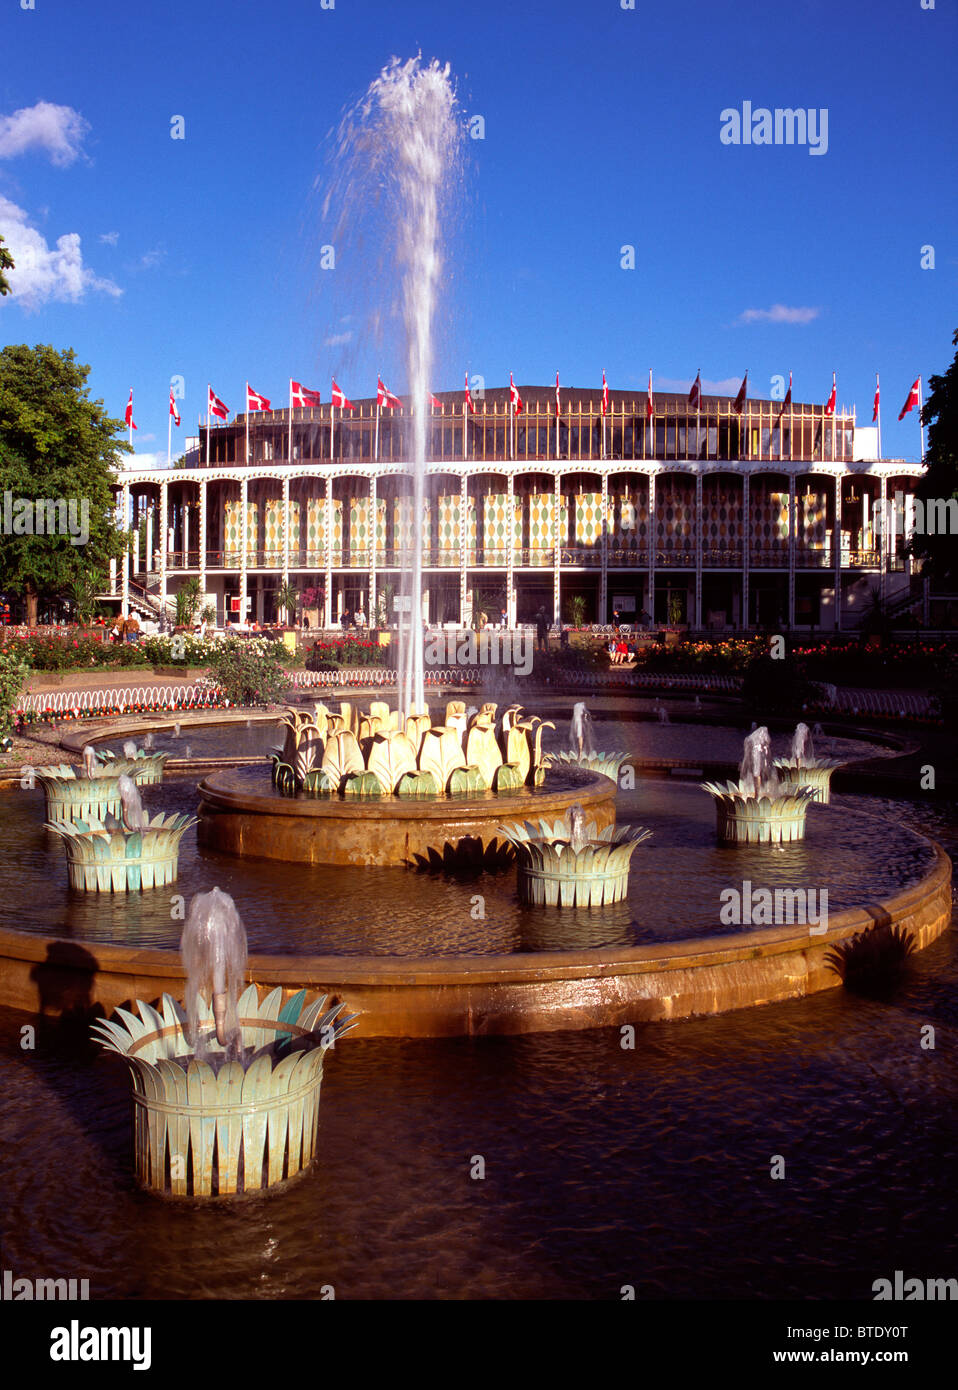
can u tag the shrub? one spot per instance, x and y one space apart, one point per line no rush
345 652
13 673
249 671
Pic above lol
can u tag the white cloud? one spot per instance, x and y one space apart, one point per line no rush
58 130
45 272
150 259
780 313
338 340
144 460
110 238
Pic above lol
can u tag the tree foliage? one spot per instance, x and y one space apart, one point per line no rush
56 444
939 553
6 263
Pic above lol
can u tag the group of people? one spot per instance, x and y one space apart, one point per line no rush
126 629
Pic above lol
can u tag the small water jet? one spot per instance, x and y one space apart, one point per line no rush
233 1107
803 769
757 809
583 751
571 863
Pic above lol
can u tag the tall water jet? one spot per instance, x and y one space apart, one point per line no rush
214 954
403 141
756 773
580 730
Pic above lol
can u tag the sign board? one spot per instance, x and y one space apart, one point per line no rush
625 603
402 603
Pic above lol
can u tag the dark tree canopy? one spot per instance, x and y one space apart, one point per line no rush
939 553
6 263
59 446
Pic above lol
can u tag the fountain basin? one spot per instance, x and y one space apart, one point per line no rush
555 872
72 797
240 813
103 859
816 774
208 1126
741 818
146 769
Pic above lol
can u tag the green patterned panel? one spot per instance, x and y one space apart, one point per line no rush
588 518
316 531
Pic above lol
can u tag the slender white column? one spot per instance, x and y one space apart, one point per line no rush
125 598
792 530
329 551
557 552
202 536
652 540
244 514
699 484
883 550
510 550
463 544
149 538
838 547
373 509
286 527
602 615
746 548
164 541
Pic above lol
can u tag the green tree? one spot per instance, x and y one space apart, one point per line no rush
188 597
286 597
57 445
6 263
939 553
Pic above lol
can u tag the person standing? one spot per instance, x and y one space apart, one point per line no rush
133 628
542 631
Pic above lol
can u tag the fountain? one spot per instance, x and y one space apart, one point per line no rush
127 854
78 793
572 863
147 765
757 809
232 1107
804 769
583 752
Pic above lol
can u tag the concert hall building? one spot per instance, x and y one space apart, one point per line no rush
715 520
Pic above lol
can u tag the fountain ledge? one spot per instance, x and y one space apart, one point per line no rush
520 993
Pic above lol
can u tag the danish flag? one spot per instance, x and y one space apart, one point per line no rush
605 395
912 400
385 397
557 395
340 399
173 410
469 401
830 403
650 403
514 394
215 406
302 395
434 401
787 402
739 402
877 399
695 395
254 401
128 417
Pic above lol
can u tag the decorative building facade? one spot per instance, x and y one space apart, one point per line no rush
713 519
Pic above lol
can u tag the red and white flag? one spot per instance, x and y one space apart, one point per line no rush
385 397
830 403
340 399
739 402
173 410
557 395
650 401
514 395
605 395
215 406
254 401
469 401
128 417
913 397
695 395
434 401
787 402
301 395
877 404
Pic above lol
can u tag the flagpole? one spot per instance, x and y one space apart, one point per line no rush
376 445
247 422
878 392
465 432
289 435
169 437
209 392
557 417
131 418
332 430
921 428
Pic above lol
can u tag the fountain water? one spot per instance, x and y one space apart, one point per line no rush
756 773
214 953
803 769
149 743
90 764
129 748
759 808
131 805
580 730
402 143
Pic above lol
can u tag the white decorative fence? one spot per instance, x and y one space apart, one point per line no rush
882 702
89 702
380 675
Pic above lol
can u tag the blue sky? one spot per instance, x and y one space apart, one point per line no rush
199 257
